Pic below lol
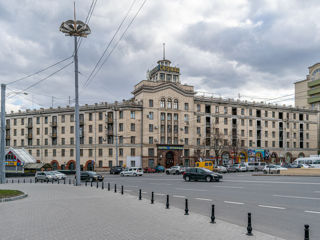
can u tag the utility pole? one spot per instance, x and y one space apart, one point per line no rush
52 101
3 131
116 134
76 29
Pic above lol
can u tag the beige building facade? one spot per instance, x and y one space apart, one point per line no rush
165 123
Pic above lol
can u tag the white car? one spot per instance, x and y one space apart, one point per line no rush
133 171
240 167
59 175
221 169
45 176
281 168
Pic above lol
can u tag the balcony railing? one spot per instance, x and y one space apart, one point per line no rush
29 125
7 137
53 124
109 119
29 135
53 135
110 131
7 126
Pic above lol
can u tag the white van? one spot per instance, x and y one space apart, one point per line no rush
255 166
133 171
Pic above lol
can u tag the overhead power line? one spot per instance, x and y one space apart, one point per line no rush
106 49
128 26
42 70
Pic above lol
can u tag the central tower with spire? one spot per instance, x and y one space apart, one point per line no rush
163 72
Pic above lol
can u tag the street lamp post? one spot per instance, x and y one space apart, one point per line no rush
3 129
76 29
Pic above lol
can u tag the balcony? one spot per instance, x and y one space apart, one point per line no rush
313 99
53 124
29 125
314 83
53 135
7 126
29 135
81 122
314 91
110 131
7 137
234 125
109 119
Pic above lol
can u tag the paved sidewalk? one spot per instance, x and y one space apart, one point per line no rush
69 212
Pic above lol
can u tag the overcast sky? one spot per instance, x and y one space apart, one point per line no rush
255 48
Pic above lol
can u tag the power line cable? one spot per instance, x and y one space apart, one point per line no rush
106 49
118 41
42 70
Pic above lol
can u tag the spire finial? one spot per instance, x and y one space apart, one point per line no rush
164 51
74 14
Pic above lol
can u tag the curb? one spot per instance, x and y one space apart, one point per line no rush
14 198
284 175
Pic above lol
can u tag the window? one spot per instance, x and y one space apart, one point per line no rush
63 152
150 103
225 131
150 152
169 117
250 133
198 130
175 104
242 122
198 119
54 152
307 117
250 123
242 111
120 127
307 126
90 140
110 152
150 127
266 123
307 135
250 143
266 134
186 106
186 141
162 103
273 114
151 115
150 140
132 139
90 152
46 152
110 164
100 140
133 151
186 130
120 151
162 116
186 117
71 118
46 131
100 127
100 115
273 134
307 145
38 142
63 130
71 129
132 127
198 108
217 109
175 117
90 116
250 112
38 131
225 121
81 152
120 163
132 114
273 143
121 114
100 164
63 141
294 135
266 144
175 140
90 128
217 120
120 139
266 115
72 141
198 141
242 133
225 110
169 103
46 141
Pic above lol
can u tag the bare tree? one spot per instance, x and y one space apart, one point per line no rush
235 146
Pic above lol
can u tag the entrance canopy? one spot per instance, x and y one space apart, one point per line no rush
16 159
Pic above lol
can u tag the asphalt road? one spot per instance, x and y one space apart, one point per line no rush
279 205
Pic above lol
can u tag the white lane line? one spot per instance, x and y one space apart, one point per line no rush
266 206
192 189
204 199
144 192
316 191
297 197
159 194
238 203
276 182
178 196
166 184
128 190
312 212
132 186
227 187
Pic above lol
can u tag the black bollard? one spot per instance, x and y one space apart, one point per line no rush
58 181
64 181
306 232
69 181
97 184
152 197
186 210
212 214
52 180
91 183
24 180
86 183
102 185
167 203
30 180
249 228
12 181
7 181
115 188
140 196
122 189
47 181
18 181
108 186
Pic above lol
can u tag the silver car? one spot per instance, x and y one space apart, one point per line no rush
45 176
173 170
59 175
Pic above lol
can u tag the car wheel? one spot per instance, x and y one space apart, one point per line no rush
187 179
177 172
208 178
135 174
167 173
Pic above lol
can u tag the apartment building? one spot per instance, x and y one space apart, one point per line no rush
165 123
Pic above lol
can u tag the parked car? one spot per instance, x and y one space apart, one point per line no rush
201 174
231 168
116 170
90 176
240 167
159 169
133 171
149 170
250 166
221 169
281 168
45 176
173 170
59 175
271 169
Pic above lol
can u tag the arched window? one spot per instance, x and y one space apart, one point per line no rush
162 103
169 103
175 104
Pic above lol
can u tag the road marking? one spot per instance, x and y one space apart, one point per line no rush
166 184
178 196
316 191
266 206
132 186
192 189
239 203
143 192
204 199
128 190
312 212
297 197
227 187
159 194
250 181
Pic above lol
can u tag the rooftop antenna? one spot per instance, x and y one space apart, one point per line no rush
164 51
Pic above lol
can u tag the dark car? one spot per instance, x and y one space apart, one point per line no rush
231 168
201 174
159 169
90 176
116 170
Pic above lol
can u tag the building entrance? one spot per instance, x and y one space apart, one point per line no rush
169 159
